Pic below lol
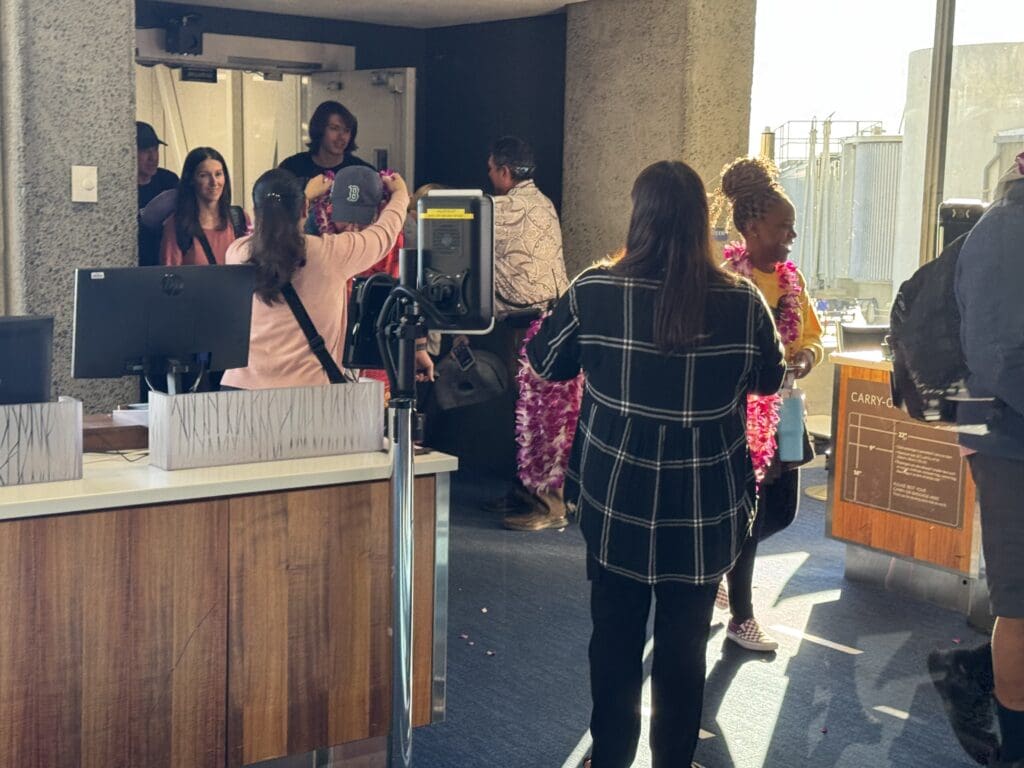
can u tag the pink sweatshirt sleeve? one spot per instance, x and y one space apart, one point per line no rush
353 252
170 254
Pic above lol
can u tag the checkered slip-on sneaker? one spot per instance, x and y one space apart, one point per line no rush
749 635
722 598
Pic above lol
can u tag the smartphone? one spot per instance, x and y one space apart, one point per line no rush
463 356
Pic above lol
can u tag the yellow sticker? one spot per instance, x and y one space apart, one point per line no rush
447 213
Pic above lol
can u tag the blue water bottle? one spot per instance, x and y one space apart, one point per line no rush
790 433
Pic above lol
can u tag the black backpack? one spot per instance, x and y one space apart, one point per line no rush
928 360
365 303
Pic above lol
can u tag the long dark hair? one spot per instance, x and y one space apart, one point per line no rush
670 240
277 248
318 125
186 212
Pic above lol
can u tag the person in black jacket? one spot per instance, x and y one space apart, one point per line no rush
152 181
988 284
669 344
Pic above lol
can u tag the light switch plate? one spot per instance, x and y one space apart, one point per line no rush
84 184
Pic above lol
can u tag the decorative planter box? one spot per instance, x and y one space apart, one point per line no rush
41 442
210 429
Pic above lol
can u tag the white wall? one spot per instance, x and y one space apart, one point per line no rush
254 123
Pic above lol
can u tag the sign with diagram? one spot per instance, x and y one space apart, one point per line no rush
896 464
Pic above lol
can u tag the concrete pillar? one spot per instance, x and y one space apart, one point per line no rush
67 97
648 80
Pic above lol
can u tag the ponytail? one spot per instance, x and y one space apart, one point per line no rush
277 248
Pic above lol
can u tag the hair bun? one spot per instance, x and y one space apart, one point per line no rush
748 175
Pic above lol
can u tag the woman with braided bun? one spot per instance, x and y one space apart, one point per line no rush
763 214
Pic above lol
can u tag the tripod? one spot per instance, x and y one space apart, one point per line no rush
409 326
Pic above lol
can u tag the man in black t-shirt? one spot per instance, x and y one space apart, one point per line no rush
332 140
152 181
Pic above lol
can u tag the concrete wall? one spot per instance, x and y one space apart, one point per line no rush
648 80
67 97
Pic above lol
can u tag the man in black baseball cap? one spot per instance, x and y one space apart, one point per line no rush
152 181
145 136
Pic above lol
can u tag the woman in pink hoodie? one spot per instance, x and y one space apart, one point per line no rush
317 267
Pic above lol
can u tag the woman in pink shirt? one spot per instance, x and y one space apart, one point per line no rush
204 223
317 267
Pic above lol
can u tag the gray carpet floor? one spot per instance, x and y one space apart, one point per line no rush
517 674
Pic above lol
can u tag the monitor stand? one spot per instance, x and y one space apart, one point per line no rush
175 370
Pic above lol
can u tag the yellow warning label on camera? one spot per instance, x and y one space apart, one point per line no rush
447 213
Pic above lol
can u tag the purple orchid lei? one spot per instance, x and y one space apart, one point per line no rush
546 417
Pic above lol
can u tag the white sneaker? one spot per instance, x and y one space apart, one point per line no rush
749 635
722 598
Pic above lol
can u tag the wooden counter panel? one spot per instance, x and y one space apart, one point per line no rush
309 659
887 531
112 636
115 646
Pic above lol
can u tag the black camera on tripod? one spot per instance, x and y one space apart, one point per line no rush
450 276
455 263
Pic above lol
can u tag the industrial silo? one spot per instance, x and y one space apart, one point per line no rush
866 211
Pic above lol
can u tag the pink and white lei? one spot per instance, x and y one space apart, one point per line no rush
546 416
763 411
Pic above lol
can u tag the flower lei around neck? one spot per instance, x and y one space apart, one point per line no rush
763 410
322 208
546 417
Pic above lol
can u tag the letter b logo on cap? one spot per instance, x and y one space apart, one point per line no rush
353 193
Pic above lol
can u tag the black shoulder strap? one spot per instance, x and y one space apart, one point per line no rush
183 240
238 222
316 341
201 237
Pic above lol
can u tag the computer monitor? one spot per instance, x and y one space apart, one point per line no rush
957 217
861 338
26 354
158 321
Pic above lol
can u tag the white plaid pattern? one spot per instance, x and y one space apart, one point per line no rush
659 469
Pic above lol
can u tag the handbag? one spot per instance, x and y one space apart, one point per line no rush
365 303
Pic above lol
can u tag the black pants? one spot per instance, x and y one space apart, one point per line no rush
777 505
619 609
1000 483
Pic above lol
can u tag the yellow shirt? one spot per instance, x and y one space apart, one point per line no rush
810 327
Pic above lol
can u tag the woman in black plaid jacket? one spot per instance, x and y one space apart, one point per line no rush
670 345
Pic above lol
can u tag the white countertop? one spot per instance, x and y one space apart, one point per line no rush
111 481
872 359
